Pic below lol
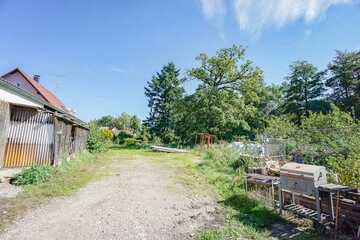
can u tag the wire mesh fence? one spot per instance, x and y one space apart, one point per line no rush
267 148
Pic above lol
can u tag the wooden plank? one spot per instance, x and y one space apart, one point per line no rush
4 128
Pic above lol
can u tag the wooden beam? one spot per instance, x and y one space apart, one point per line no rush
4 128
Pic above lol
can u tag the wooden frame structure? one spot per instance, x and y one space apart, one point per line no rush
204 139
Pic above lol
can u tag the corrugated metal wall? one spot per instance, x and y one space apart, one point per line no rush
30 138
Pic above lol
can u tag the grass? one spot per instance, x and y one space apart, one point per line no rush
247 217
64 180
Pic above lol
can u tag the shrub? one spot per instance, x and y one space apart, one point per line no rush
134 144
348 169
122 136
107 133
33 175
97 142
330 140
226 156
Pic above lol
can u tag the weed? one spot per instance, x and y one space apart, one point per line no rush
33 175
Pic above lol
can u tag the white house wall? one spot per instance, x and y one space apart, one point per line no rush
17 100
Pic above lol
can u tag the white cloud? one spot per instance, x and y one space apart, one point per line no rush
213 8
253 15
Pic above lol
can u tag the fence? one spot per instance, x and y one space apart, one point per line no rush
269 148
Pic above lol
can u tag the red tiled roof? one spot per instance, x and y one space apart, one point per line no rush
46 94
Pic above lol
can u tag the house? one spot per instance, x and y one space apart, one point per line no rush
23 81
35 126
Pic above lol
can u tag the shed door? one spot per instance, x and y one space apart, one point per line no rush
30 138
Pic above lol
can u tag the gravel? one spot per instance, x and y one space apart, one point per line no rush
8 191
141 200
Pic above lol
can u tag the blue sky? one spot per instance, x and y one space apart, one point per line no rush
97 55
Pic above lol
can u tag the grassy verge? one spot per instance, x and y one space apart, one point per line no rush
64 180
247 217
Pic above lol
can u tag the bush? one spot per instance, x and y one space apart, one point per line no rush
122 136
132 143
348 169
108 134
97 141
33 175
331 140
226 156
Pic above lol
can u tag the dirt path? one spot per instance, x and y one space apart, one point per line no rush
141 200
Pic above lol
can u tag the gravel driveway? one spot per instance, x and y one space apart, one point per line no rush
141 200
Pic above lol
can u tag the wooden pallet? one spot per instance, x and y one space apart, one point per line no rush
305 212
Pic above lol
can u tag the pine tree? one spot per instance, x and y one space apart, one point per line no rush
304 85
344 82
164 91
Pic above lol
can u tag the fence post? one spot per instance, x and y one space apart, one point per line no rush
281 204
56 143
4 128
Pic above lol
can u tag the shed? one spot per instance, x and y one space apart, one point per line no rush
35 132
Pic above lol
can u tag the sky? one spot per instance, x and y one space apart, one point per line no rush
97 56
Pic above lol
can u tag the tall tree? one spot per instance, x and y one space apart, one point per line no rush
230 91
344 82
304 85
164 91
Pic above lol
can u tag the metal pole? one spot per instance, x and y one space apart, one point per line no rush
273 192
332 206
337 213
280 200
318 207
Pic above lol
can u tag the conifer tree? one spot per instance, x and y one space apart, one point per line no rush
304 85
164 91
